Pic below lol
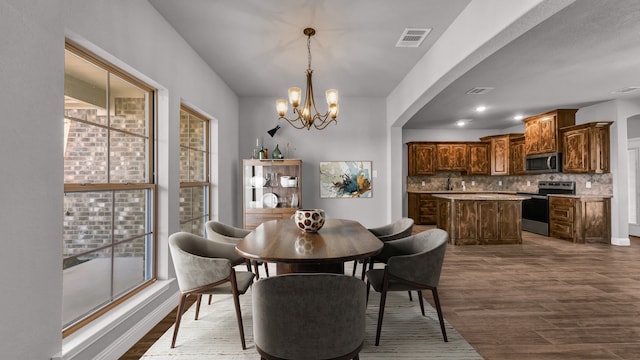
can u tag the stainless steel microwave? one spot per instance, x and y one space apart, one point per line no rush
543 163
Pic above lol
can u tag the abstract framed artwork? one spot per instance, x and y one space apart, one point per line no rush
345 179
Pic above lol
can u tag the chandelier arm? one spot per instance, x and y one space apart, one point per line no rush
294 122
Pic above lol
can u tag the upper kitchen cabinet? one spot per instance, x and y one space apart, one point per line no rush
478 159
542 131
586 148
422 158
451 156
516 156
500 152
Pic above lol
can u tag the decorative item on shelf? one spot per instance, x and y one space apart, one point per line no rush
276 154
257 150
294 200
307 115
270 200
273 131
258 182
309 220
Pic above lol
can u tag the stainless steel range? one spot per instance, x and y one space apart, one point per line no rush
535 211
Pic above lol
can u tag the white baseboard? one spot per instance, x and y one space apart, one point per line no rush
621 241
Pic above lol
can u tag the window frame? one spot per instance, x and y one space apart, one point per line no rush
150 185
206 183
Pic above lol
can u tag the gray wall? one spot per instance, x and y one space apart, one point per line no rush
359 135
132 35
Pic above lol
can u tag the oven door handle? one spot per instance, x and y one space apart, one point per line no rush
541 197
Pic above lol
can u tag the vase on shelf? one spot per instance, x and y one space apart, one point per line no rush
276 154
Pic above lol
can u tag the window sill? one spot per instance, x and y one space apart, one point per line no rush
81 340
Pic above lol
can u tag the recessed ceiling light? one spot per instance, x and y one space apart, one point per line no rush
481 108
518 117
463 122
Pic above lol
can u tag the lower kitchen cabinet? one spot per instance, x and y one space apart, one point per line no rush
422 208
582 219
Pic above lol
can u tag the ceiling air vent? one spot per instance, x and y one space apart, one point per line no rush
412 37
479 90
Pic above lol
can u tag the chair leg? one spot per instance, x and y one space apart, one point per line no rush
355 265
179 312
421 301
383 299
198 301
365 262
410 297
266 268
248 262
436 300
256 269
236 301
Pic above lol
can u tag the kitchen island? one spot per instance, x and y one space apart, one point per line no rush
481 219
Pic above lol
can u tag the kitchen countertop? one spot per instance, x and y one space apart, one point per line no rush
484 196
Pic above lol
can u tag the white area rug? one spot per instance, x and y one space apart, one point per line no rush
406 334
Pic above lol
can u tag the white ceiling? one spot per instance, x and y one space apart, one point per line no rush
578 56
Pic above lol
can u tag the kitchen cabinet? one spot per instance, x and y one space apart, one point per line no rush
541 132
423 209
581 219
422 158
480 219
586 148
478 158
500 153
516 156
451 156
272 190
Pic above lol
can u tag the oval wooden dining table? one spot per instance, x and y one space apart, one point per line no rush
293 250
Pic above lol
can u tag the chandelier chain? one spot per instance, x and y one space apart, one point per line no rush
309 51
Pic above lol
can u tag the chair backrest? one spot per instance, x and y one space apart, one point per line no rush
222 232
309 316
197 261
424 264
397 230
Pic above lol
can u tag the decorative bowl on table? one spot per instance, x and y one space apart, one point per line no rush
309 220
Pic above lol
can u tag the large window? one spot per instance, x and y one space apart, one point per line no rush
109 238
194 171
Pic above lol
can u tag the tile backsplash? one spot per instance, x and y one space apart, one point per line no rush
601 184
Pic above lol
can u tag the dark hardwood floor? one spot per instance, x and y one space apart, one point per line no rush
544 299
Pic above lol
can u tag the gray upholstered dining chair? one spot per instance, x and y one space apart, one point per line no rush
309 316
413 263
219 231
201 268
396 230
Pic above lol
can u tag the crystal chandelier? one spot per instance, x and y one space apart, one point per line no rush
308 115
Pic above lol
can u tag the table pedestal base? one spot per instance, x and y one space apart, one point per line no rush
286 268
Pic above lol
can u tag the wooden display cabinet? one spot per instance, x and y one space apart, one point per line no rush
266 196
541 131
586 148
422 158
